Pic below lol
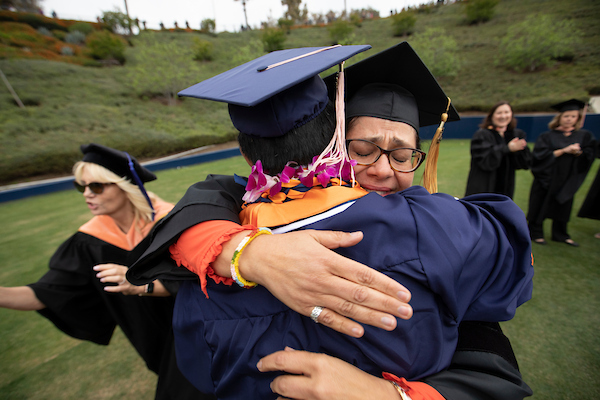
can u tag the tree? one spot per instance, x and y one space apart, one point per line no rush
245 14
208 25
293 11
116 21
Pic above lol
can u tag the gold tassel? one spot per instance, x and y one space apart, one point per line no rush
430 174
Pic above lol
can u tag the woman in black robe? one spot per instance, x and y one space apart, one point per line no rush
591 205
498 148
562 158
87 300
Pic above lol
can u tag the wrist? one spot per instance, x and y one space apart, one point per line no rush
255 256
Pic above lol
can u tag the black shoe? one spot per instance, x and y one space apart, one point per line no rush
570 242
541 241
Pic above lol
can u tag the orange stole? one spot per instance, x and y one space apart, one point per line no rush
314 201
105 228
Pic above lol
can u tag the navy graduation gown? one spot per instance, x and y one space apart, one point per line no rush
461 259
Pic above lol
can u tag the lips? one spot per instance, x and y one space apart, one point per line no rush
383 191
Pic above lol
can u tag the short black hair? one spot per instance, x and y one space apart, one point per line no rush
300 144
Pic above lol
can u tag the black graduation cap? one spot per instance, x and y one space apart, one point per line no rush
277 92
569 105
396 85
116 161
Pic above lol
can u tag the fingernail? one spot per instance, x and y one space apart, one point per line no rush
404 310
95 268
358 332
259 365
102 280
387 321
403 296
288 348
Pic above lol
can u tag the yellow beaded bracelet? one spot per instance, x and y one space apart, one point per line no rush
235 260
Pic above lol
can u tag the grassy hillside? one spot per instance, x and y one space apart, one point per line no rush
70 104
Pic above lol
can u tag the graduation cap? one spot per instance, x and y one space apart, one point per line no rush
569 105
120 163
277 92
395 85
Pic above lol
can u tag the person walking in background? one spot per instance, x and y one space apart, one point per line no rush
591 205
88 301
498 148
561 159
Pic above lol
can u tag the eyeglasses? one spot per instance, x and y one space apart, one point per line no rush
401 159
95 187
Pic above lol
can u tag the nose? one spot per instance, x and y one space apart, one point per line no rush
381 168
87 192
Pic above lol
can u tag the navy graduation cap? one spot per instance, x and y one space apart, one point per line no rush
395 85
569 105
277 92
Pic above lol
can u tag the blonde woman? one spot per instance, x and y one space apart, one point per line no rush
562 157
87 300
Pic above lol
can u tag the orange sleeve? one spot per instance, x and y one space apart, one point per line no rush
200 245
416 390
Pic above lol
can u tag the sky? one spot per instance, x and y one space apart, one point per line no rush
228 14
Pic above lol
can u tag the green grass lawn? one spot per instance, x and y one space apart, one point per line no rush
554 335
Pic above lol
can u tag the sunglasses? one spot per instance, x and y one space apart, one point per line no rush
95 187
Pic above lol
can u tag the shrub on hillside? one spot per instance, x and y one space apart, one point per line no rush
403 23
75 37
67 51
480 10
285 24
44 31
534 43
82 27
272 39
340 31
104 45
203 50
60 35
438 51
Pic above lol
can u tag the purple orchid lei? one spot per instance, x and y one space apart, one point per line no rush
259 182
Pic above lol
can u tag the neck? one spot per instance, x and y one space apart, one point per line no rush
124 217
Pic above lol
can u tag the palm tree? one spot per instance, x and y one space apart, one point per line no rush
245 15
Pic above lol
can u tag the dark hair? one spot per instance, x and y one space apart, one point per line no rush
350 122
300 144
487 122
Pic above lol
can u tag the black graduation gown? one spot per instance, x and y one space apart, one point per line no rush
77 304
484 365
591 205
556 179
493 165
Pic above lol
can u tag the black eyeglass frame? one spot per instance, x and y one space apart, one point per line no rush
388 152
95 187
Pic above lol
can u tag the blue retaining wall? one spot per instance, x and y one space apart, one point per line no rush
533 125
54 185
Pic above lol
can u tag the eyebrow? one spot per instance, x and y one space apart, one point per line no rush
396 142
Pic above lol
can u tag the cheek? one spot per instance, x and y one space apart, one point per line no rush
404 180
